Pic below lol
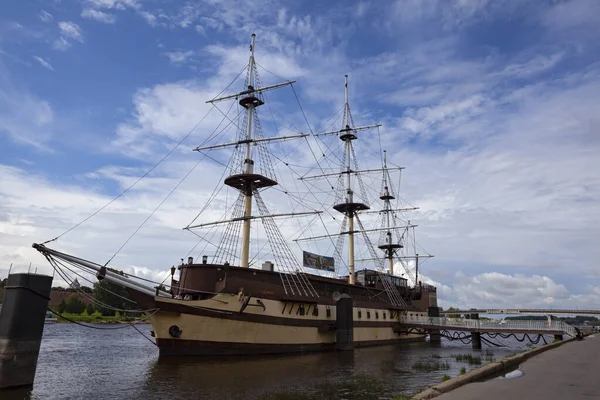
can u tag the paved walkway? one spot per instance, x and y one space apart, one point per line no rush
571 371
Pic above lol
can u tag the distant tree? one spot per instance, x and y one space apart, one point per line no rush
86 289
3 282
453 315
113 295
74 305
62 306
90 309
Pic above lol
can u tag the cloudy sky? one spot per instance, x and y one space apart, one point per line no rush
492 107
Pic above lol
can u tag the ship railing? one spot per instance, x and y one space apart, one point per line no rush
493 325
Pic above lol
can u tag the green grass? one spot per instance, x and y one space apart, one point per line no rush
94 318
463 371
468 358
429 365
446 378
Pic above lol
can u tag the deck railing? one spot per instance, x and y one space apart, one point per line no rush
493 325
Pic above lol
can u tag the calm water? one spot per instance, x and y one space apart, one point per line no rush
82 363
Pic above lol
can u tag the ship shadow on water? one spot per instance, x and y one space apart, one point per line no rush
368 373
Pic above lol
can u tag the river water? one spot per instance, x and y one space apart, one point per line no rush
76 362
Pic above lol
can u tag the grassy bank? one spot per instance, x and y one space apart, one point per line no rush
95 318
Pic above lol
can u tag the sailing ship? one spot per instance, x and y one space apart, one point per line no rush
216 307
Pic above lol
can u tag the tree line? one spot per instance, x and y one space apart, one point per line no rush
108 297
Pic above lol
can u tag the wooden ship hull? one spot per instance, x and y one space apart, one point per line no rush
237 310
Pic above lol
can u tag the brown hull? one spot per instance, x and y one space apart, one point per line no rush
251 314
178 347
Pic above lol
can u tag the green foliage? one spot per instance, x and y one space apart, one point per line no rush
86 289
430 365
452 315
468 358
89 309
112 295
446 378
62 307
74 305
463 371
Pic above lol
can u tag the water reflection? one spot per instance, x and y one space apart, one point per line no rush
79 363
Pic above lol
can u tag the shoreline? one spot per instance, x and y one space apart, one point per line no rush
486 372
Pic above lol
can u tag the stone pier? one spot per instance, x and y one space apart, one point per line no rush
21 327
475 336
434 335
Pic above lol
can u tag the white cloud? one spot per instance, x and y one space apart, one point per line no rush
97 15
148 17
178 57
497 290
25 118
43 63
69 32
117 4
45 16
571 15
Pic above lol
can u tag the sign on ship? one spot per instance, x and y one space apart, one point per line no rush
315 261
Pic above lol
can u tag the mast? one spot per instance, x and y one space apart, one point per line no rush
248 182
349 208
249 164
389 247
416 269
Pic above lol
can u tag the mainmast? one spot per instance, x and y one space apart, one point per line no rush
389 247
250 103
349 207
245 178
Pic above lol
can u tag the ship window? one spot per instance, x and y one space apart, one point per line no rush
300 309
315 310
384 316
328 312
359 314
368 314
376 314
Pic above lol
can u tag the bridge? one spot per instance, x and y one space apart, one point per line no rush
548 311
435 325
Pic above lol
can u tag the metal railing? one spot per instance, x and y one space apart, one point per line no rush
492 325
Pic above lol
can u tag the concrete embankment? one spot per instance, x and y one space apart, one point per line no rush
485 372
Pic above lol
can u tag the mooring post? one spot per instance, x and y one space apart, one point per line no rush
344 323
434 335
558 337
21 327
476 336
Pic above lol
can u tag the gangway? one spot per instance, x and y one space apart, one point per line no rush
491 326
528 311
